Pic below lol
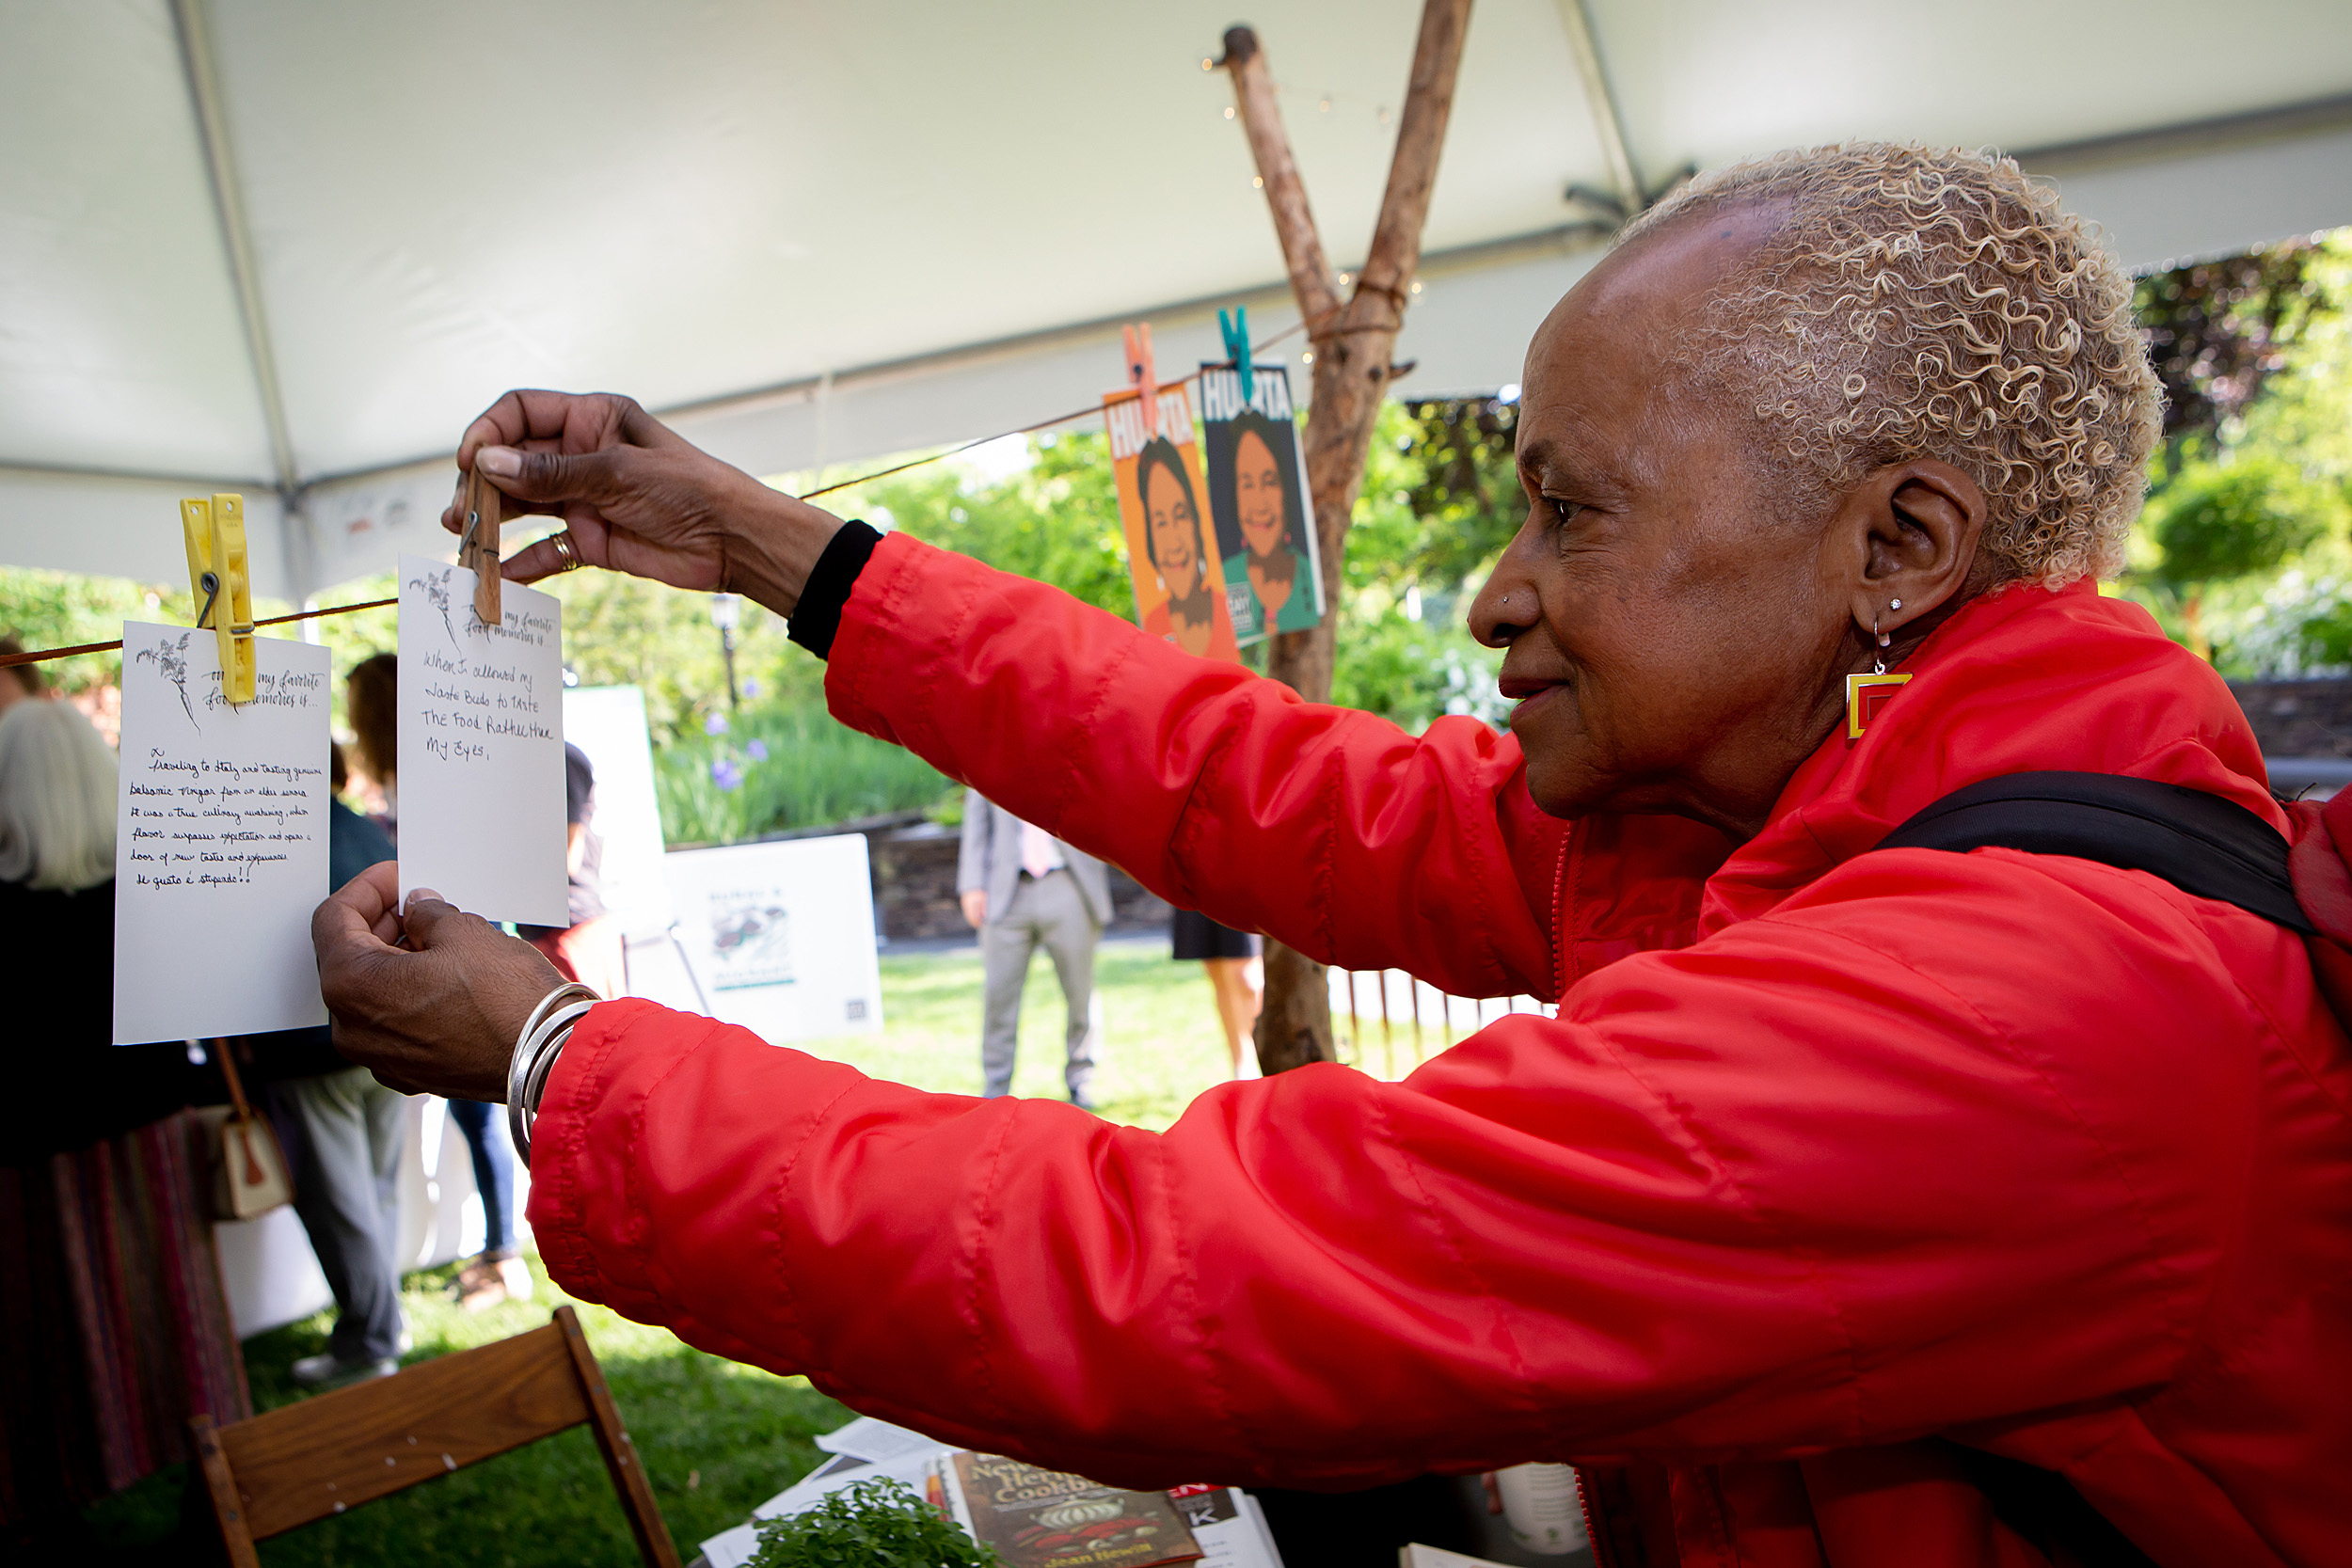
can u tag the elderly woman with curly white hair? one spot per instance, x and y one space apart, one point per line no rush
109 1287
1862 1205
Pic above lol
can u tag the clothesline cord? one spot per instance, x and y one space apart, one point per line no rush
39 656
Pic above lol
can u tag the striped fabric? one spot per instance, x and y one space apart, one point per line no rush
111 1302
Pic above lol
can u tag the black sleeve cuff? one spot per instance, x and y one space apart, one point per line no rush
819 614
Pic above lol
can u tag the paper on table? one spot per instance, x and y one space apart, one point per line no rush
1226 1527
868 1438
1419 1556
220 839
481 747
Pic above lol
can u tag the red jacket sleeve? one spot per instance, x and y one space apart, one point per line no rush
1886 1161
1221 791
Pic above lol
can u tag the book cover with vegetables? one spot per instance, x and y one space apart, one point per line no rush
1045 1519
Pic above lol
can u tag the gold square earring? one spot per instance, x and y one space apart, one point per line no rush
1866 694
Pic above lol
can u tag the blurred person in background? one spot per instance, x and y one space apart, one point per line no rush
1022 889
371 704
110 1298
19 681
589 949
342 1134
1236 974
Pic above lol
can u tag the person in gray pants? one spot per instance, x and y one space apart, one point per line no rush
342 1134
1022 889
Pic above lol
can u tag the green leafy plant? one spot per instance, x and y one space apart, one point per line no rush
870 1524
784 764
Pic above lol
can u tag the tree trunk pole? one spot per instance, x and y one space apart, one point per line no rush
1353 341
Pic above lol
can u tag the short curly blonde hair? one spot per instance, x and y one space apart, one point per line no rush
1935 303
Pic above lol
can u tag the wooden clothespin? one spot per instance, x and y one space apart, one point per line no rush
220 578
478 548
1140 374
1236 334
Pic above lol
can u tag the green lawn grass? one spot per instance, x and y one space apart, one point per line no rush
1161 1043
718 1437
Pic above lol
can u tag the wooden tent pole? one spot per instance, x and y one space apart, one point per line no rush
1353 339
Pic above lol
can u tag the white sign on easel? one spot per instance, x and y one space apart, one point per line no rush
780 937
481 747
220 827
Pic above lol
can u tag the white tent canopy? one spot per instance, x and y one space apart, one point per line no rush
290 247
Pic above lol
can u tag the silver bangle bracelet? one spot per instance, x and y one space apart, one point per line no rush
558 1032
534 1052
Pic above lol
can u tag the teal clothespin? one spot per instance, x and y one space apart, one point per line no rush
1236 332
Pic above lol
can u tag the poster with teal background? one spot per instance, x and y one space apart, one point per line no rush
1265 525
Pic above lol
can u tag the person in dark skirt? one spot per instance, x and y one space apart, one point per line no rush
1236 977
111 1305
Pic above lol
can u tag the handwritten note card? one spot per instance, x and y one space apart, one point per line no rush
482 747
220 839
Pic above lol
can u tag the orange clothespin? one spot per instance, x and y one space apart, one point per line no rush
478 546
1142 376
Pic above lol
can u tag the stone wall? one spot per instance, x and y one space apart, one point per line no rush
2299 719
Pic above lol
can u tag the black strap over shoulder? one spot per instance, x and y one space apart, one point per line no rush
2205 845
2200 843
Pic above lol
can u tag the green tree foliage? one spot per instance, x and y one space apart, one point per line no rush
1056 522
2218 331
1441 499
1460 500
64 609
626 631
2217 520
2243 549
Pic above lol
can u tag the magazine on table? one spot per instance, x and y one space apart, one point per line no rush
1038 1518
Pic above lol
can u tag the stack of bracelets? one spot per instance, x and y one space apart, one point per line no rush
542 1040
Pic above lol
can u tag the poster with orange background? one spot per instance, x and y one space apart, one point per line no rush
1171 553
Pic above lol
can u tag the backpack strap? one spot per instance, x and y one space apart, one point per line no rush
2201 844
2205 846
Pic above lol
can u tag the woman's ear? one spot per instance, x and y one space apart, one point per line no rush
1912 530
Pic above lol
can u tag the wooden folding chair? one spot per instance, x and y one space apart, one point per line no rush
282 1470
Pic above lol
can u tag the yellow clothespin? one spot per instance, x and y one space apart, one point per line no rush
478 549
218 576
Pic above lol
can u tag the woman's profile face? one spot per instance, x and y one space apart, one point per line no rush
1257 494
1673 644
1175 531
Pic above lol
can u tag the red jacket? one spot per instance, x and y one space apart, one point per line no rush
1827 1152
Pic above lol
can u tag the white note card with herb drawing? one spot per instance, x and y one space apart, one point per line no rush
481 747
220 839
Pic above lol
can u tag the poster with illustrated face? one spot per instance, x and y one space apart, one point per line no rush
1265 525
1180 583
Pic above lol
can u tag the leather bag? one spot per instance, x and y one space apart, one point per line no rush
249 1175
